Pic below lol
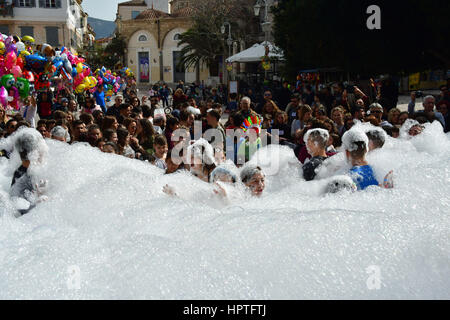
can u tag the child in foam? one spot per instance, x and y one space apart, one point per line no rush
356 147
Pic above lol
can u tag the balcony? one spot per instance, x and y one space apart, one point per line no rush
6 9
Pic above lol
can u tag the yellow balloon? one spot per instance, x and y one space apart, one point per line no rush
2 48
24 53
80 88
79 68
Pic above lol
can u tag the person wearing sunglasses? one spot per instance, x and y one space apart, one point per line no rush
377 111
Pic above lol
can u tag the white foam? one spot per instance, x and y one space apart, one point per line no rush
108 217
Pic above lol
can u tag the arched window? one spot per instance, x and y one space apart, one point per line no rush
142 38
176 37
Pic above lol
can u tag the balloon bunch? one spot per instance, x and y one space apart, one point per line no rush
252 122
23 69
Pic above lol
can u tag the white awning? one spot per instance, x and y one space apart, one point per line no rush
256 53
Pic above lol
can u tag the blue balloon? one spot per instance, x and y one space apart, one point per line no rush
105 87
74 72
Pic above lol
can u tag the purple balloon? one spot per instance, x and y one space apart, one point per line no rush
12 47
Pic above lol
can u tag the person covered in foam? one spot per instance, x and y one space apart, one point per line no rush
30 146
355 142
316 143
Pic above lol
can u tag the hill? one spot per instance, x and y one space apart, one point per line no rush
102 28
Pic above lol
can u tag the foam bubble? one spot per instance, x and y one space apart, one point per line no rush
108 218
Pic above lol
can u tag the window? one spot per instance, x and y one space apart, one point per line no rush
26 3
50 3
4 28
176 37
52 36
134 14
26 31
142 38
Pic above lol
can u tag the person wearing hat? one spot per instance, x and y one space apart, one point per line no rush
61 104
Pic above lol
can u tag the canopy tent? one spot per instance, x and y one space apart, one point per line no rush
256 53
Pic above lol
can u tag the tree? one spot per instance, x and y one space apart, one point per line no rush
323 33
204 43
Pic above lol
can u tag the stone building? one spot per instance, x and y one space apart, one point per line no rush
151 29
56 22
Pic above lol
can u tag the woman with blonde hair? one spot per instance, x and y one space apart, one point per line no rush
3 117
270 110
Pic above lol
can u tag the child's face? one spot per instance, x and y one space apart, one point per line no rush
161 150
171 166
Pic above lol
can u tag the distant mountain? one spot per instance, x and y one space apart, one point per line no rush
102 28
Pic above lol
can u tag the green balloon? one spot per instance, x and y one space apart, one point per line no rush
23 85
8 81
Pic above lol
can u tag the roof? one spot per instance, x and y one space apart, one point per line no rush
183 12
151 14
133 3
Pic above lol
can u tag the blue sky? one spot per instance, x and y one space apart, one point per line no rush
101 9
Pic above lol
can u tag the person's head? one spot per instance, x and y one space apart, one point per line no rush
187 118
94 132
428 103
131 125
160 146
11 126
304 113
402 117
78 128
281 118
337 115
98 116
416 130
58 133
172 123
356 143
118 100
223 174
125 110
295 99
376 110
110 147
145 129
245 103
358 112
213 117
100 88
316 141
254 178
89 103
442 107
393 116
72 106
110 135
377 138
123 137
135 102
267 95
109 122
172 165
339 184
42 128
360 103
64 102
87 118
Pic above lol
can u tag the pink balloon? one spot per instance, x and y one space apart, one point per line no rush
16 71
10 60
3 96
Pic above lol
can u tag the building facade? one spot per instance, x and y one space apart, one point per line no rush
151 29
56 22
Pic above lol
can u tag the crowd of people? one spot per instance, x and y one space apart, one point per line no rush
314 123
